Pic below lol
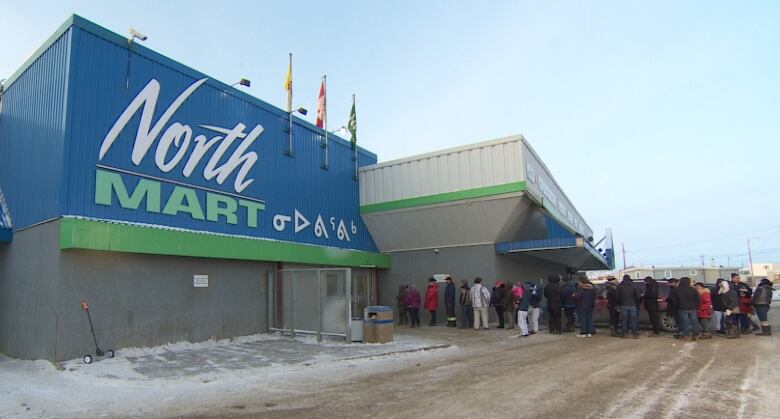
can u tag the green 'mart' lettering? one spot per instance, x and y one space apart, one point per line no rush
251 211
106 182
176 203
214 210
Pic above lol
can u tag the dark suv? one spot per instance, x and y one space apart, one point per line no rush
601 314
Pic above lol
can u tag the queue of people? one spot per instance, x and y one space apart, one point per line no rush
698 311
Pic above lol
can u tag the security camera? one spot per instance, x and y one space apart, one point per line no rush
135 34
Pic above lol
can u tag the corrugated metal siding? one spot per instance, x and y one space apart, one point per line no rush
32 137
483 164
100 77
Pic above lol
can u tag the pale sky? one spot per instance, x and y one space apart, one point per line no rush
658 119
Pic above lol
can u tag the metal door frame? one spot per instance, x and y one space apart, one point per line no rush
272 286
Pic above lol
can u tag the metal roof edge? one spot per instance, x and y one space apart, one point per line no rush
481 144
108 35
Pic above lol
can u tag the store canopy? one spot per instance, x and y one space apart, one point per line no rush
560 246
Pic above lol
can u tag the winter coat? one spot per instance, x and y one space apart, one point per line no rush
612 296
449 295
567 294
509 300
413 298
705 304
465 295
400 298
672 301
763 295
497 297
627 293
585 296
522 302
650 298
717 301
687 297
480 296
552 292
745 305
534 293
742 289
729 297
432 296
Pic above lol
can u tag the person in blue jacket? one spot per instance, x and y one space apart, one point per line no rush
567 302
585 296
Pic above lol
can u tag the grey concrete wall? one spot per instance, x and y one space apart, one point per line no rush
29 267
135 299
415 267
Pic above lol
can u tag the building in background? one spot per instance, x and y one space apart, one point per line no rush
761 271
705 274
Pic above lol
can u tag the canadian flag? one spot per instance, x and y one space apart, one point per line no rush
321 112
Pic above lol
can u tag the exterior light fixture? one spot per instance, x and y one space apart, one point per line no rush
243 82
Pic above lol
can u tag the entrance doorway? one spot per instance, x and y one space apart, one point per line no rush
320 301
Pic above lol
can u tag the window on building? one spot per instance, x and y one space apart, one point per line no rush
667 273
638 275
693 272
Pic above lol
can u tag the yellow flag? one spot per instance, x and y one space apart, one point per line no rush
288 78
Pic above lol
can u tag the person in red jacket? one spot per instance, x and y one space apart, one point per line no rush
704 312
432 299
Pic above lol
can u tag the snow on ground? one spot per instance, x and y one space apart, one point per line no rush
140 381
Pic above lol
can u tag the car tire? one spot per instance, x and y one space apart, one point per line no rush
668 324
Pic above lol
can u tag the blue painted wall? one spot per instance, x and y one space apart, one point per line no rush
32 135
107 73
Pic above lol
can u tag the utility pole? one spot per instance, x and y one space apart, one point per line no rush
702 260
750 261
623 248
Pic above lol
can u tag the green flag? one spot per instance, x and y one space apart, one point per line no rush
352 124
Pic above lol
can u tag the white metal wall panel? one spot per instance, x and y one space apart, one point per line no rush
478 165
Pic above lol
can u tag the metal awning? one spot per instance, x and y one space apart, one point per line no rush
560 246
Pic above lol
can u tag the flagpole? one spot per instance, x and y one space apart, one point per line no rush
289 111
325 118
354 145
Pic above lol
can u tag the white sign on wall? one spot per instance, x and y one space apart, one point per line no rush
200 281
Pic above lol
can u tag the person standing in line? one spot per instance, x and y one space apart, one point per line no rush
466 309
432 299
672 303
510 313
613 307
403 309
497 301
717 310
521 305
568 290
688 303
730 300
762 299
704 312
628 296
552 292
449 302
585 296
745 295
413 302
480 300
650 300
534 301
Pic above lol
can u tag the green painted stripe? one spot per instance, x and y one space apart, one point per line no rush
444 197
96 235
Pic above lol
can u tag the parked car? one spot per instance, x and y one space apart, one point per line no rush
601 314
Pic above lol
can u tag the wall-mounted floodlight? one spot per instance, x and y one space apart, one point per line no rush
243 82
340 130
134 34
301 111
